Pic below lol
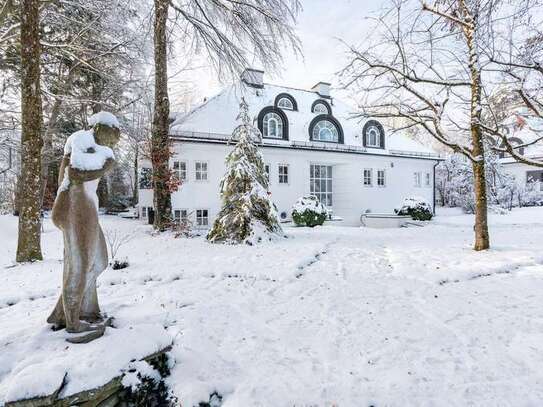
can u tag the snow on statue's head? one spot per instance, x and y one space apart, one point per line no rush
106 129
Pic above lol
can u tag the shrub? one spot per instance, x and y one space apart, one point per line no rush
308 211
416 207
119 264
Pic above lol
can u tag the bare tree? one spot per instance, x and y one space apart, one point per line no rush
426 68
231 33
516 52
29 245
115 240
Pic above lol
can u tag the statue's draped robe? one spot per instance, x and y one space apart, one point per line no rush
75 212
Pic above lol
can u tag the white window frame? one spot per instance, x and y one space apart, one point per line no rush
373 130
365 178
202 217
279 174
181 218
383 177
417 178
316 108
278 126
427 180
329 177
201 172
178 171
267 171
144 212
322 125
290 104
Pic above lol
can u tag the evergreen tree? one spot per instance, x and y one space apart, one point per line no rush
248 215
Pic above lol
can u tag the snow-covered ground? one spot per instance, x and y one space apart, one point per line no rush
331 316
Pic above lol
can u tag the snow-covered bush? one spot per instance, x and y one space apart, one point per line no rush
530 194
454 185
309 211
416 207
248 215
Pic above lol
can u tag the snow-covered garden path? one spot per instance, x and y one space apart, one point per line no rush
331 316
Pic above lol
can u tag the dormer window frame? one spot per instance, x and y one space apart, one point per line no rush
514 141
324 103
373 128
284 119
326 118
290 98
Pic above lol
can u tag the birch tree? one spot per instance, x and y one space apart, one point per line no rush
28 244
229 34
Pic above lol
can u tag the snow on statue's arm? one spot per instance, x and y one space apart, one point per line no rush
86 160
78 175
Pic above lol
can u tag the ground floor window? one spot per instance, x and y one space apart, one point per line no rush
320 182
180 170
267 170
180 215
202 217
201 171
283 173
146 178
417 177
144 212
367 177
535 176
427 179
381 178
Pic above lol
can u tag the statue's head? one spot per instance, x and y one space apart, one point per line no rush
105 135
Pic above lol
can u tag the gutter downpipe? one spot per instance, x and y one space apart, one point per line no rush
434 189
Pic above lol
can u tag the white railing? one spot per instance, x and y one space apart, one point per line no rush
311 145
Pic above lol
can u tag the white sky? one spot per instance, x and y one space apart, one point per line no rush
320 25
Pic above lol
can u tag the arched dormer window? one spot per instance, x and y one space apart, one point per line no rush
273 123
514 141
325 128
320 106
373 134
285 101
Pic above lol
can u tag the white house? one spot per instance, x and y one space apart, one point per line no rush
522 130
310 146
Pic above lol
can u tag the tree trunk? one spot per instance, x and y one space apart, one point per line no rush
482 241
135 184
47 150
160 149
28 245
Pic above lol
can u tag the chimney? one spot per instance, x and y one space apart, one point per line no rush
253 77
323 89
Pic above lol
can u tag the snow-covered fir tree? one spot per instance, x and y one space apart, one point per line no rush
248 215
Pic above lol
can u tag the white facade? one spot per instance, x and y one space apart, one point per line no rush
525 132
350 178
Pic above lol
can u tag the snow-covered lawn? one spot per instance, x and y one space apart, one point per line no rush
331 316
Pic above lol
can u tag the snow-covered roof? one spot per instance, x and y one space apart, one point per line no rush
217 116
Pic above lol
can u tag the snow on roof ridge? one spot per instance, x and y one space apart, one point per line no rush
292 88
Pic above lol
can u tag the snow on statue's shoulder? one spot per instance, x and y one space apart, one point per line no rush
85 153
105 118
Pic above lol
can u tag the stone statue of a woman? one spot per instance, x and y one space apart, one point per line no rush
87 157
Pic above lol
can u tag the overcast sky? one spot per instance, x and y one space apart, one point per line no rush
320 25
